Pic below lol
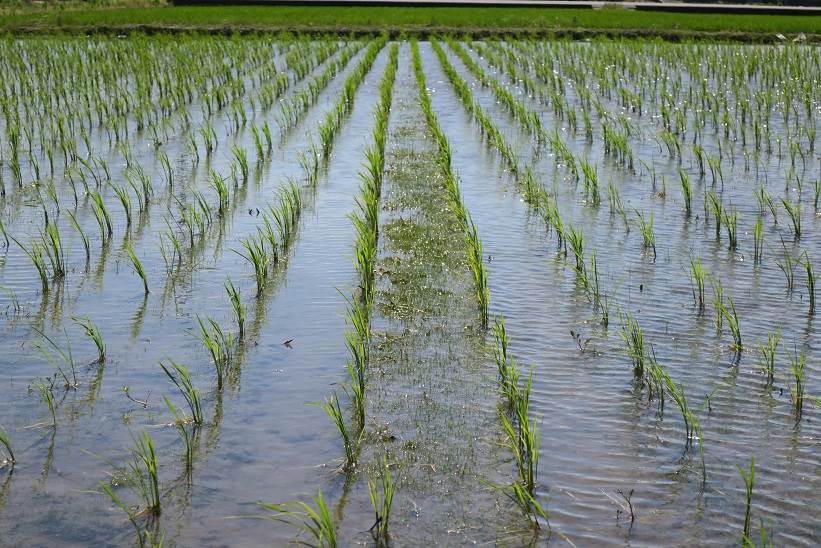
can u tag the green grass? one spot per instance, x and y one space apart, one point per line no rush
412 19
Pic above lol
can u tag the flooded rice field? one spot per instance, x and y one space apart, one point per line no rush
351 291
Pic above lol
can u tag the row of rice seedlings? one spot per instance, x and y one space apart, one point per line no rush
589 280
274 238
521 432
365 221
329 127
687 188
293 109
473 243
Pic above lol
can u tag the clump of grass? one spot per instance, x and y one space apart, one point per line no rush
381 494
92 332
317 523
181 378
138 266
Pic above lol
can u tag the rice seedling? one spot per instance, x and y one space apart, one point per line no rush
381 495
633 338
221 188
60 358
92 332
749 484
219 345
768 351
181 378
242 160
102 215
255 254
686 192
125 199
729 313
646 230
47 397
36 253
5 442
731 223
804 260
794 211
797 364
235 298
787 266
144 474
136 264
697 276
758 240
144 537
349 442
716 207
317 523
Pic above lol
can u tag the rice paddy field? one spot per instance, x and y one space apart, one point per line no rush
345 290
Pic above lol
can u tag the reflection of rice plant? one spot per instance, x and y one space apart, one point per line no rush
47 397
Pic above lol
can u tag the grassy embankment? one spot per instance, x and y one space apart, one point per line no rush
568 22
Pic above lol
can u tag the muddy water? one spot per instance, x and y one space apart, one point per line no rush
431 397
